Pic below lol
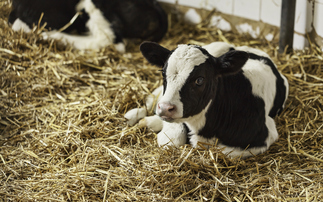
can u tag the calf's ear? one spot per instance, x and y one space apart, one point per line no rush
154 53
231 62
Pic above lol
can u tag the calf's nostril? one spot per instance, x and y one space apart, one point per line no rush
166 108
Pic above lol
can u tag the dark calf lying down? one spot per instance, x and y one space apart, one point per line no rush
98 23
215 94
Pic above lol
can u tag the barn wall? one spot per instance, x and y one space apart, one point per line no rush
245 15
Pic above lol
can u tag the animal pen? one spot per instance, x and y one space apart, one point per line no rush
63 136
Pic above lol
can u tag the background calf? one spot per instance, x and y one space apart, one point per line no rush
99 23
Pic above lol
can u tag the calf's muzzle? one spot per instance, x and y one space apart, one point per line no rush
166 110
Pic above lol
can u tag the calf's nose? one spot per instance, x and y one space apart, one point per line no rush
165 110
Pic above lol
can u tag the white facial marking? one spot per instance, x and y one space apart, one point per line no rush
180 64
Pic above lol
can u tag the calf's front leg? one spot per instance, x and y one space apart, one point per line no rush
172 134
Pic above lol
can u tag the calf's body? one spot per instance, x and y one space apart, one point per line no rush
229 97
99 22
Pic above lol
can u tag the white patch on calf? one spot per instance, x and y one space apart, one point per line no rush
99 26
155 123
252 50
20 25
195 139
263 81
172 134
152 122
272 131
197 122
227 150
287 88
134 115
100 32
234 152
180 64
217 49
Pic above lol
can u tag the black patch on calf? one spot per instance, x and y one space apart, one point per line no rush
231 62
280 86
155 53
57 13
195 98
203 50
187 130
164 77
236 117
143 19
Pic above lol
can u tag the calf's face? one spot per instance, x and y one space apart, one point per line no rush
190 76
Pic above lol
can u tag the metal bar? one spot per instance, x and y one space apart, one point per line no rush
286 35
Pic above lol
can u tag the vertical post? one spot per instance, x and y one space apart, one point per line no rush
286 35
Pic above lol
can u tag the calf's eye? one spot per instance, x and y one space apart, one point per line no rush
199 81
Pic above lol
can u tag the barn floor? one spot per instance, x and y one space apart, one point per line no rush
63 136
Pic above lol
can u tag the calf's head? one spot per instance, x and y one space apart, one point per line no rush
190 76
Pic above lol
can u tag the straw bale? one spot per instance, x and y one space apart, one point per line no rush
63 136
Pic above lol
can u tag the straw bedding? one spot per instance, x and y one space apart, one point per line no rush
63 136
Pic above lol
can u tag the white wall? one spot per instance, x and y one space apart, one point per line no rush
267 11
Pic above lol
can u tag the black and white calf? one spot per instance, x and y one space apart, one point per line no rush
98 23
215 93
